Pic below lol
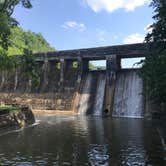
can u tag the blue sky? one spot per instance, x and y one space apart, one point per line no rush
71 24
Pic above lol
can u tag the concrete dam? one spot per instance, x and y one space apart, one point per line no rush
67 84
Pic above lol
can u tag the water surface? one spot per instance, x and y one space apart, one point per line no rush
79 141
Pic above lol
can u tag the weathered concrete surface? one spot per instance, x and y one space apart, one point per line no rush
40 101
60 81
122 51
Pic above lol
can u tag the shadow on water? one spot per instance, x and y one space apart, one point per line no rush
78 141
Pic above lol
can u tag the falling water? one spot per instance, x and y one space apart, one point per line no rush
100 91
85 96
128 100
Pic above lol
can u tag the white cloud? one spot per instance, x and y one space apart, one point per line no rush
112 5
134 38
74 25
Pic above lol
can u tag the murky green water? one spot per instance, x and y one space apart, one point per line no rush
83 141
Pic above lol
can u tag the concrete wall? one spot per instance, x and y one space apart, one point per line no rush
55 92
60 81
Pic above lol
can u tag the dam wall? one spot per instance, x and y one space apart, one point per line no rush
66 82
54 92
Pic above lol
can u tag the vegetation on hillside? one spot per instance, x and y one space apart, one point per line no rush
21 40
7 21
15 41
154 67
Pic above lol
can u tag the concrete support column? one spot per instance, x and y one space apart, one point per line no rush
85 65
80 69
62 70
111 71
16 78
112 63
118 64
45 70
112 68
68 65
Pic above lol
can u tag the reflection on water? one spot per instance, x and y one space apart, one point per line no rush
98 155
78 141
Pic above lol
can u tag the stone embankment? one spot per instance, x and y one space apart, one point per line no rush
15 119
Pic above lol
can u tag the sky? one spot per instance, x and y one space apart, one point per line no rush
73 24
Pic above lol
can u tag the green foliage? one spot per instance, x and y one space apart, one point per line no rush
154 67
15 41
28 64
21 40
9 108
7 21
6 62
93 67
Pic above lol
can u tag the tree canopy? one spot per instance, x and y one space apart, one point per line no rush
7 21
21 40
14 40
154 68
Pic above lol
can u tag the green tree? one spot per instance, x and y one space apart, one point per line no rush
154 67
21 40
7 21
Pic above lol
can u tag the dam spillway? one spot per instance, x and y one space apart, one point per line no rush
92 93
100 93
83 105
128 99
62 85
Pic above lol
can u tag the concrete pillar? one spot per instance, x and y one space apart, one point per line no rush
16 78
77 94
80 71
112 67
45 70
112 63
111 71
118 64
62 70
68 64
85 65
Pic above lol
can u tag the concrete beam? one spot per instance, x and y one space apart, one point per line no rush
99 53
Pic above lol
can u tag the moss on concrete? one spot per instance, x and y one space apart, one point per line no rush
10 108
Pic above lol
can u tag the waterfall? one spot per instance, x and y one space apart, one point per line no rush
92 93
100 92
128 99
85 96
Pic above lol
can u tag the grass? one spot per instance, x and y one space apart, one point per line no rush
9 108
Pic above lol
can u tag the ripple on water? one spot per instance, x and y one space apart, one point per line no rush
79 141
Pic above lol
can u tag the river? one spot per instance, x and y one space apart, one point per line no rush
79 141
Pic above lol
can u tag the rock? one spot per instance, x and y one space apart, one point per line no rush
29 117
16 120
